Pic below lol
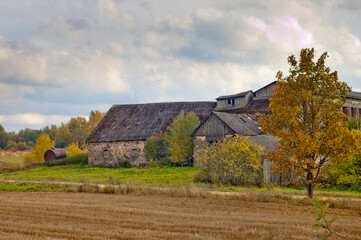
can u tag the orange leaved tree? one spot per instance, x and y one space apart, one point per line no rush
305 115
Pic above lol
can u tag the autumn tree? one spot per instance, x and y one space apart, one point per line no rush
73 149
180 142
235 161
94 118
305 115
42 144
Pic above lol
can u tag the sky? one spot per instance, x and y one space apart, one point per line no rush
60 59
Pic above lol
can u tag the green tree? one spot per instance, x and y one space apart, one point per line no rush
4 138
156 147
79 129
235 161
305 116
180 141
63 134
42 144
2 129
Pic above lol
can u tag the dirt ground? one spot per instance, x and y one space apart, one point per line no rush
104 216
14 154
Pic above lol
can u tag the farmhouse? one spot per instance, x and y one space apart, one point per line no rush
121 135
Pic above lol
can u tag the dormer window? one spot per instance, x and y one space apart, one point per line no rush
231 101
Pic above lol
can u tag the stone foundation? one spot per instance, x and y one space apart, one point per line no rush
113 154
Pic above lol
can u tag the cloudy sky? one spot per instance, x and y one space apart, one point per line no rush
60 59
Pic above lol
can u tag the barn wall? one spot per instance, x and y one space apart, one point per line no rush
265 92
118 153
213 126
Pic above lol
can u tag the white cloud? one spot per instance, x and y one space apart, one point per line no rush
33 119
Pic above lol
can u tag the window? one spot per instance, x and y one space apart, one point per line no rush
106 154
229 101
233 101
134 153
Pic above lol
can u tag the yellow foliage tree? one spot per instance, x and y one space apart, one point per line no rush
305 115
94 118
236 161
42 144
180 142
73 149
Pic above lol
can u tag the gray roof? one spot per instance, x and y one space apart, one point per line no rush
266 141
141 121
258 105
241 124
355 95
242 94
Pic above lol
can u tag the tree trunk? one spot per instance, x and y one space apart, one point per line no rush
310 185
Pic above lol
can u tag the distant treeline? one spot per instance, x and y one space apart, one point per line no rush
76 130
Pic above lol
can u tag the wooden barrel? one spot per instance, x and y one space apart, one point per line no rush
54 153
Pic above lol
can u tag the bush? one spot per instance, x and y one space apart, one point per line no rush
80 159
73 149
344 174
236 161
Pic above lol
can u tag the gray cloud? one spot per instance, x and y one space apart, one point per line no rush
65 58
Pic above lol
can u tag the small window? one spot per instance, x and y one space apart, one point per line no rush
233 101
229 101
106 154
134 153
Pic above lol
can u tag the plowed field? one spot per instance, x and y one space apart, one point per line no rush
103 216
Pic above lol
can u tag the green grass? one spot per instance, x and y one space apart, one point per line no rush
175 176
12 160
30 187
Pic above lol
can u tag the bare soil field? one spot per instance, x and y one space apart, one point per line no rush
53 215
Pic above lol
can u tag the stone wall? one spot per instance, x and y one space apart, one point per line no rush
112 154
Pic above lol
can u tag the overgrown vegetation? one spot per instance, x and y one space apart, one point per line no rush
174 145
236 161
78 159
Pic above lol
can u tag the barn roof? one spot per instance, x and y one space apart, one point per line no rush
241 94
141 121
241 124
266 141
258 105
354 95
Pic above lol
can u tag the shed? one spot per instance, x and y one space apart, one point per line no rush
221 125
54 153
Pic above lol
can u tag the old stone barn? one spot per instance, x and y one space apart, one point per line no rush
121 135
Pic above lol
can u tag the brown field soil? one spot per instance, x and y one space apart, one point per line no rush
53 215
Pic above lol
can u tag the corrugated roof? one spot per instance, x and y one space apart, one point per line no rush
141 121
242 94
241 124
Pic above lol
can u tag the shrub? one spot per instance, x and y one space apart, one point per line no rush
155 148
80 159
73 149
344 174
236 161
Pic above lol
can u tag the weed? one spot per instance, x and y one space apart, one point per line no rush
321 221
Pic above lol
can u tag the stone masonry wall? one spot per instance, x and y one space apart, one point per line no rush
112 154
